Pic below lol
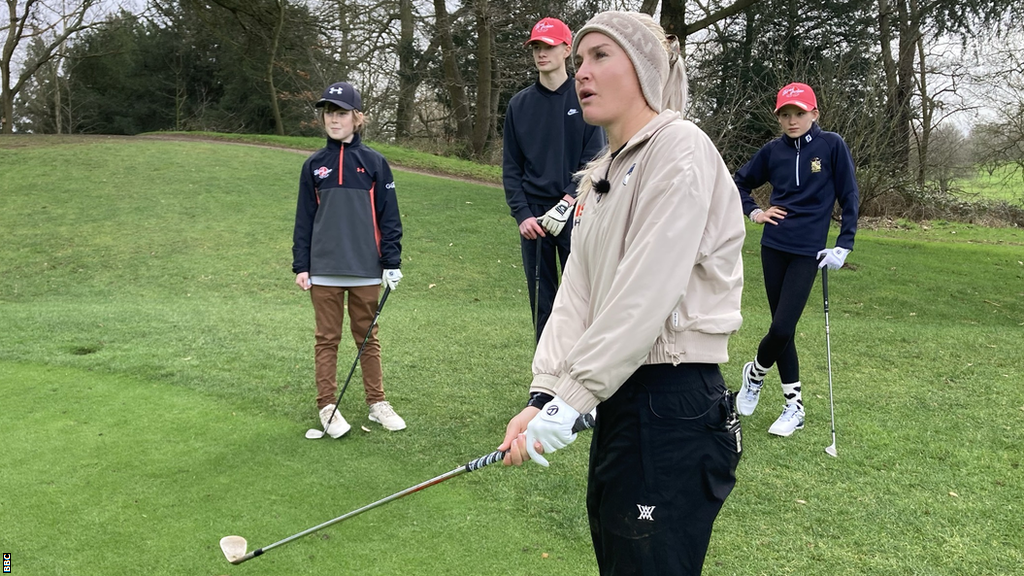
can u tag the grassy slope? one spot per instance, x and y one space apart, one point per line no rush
146 296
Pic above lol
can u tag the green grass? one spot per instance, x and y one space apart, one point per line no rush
156 380
1005 184
396 155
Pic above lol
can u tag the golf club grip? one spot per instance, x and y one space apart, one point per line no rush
583 422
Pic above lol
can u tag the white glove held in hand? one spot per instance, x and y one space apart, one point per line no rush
553 220
552 427
833 258
392 277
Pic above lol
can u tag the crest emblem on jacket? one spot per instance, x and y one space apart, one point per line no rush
322 172
815 164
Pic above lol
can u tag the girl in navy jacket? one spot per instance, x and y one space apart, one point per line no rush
809 170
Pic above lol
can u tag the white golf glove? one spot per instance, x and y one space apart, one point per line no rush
553 220
392 277
833 258
552 427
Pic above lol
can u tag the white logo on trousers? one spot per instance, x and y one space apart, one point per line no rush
645 512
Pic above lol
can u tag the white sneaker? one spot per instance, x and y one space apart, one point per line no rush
791 420
750 392
337 427
383 414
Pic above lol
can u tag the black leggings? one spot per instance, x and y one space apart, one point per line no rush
788 279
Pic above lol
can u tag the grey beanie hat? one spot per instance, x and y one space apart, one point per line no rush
645 49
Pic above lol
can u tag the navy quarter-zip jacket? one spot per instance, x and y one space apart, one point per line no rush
346 220
545 142
808 176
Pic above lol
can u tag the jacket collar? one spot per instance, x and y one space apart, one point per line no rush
333 144
805 139
560 90
663 119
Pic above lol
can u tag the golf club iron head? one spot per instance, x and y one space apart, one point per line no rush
314 434
233 548
831 451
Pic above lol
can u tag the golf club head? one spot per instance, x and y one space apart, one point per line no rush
831 451
233 548
314 434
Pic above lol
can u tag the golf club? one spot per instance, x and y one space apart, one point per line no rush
536 288
234 547
313 433
831 450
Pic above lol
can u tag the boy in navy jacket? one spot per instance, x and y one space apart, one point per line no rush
809 170
347 238
545 142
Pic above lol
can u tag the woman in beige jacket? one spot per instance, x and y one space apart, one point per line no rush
650 296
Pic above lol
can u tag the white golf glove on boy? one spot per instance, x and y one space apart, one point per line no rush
552 427
392 277
833 258
553 220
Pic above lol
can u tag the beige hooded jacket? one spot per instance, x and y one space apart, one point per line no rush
656 271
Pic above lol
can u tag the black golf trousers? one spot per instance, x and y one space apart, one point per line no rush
662 461
554 252
788 279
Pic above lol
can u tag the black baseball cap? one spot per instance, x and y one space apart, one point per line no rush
343 95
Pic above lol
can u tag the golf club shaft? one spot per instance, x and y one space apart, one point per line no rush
584 422
828 350
536 286
380 306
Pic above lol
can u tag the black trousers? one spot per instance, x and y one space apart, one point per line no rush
553 255
788 279
662 461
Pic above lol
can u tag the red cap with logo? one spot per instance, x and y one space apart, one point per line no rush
797 94
551 31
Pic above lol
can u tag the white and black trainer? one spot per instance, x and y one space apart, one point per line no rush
791 420
750 391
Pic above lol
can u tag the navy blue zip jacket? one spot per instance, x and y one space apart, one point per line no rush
808 175
545 142
346 221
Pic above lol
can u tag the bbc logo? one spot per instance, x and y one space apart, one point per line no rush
7 563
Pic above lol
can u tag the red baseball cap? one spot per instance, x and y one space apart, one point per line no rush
551 31
796 94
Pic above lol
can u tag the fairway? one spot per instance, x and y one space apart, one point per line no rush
156 379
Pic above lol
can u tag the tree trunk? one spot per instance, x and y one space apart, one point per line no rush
888 64
673 17
927 108
345 29
910 31
482 123
649 6
453 82
275 106
406 72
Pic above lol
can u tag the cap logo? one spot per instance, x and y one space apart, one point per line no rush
793 91
543 27
336 90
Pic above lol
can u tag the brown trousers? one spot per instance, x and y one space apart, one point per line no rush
329 308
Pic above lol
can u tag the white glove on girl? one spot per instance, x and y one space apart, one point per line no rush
833 258
552 427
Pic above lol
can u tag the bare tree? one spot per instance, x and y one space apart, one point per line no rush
54 23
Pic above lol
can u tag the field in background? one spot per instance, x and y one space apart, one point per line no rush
156 380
